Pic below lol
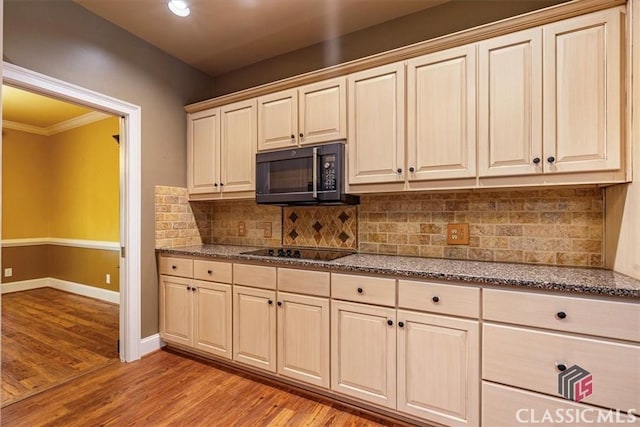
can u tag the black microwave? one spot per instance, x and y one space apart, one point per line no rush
303 176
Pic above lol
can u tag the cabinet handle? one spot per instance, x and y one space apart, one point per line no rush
209 271
399 170
194 289
401 324
360 290
270 302
435 299
215 184
390 322
551 159
301 135
221 184
279 303
536 160
188 288
561 366
293 137
561 315
412 169
174 267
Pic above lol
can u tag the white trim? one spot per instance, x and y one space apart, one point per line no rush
150 344
130 146
63 285
76 122
76 243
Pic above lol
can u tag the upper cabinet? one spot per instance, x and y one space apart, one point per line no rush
376 125
221 147
310 114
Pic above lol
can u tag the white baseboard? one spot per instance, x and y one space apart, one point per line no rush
150 344
63 285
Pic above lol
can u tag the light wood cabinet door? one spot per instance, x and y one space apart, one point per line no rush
278 120
363 352
212 318
376 125
438 368
323 111
238 144
254 327
176 310
583 93
510 104
303 338
441 114
203 159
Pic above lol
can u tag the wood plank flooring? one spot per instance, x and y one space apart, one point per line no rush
50 336
167 388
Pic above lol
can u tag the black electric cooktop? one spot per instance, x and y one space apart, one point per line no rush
312 254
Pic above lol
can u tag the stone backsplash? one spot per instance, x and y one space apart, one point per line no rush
560 226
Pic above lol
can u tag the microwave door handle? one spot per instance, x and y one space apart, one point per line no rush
315 172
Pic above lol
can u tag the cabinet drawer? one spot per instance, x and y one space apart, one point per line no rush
611 319
371 290
213 271
438 298
258 276
504 406
529 359
304 281
174 266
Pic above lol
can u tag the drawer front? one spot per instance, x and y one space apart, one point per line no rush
529 359
370 290
438 298
174 266
504 406
304 282
611 319
258 276
212 271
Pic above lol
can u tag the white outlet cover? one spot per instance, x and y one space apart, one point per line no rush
8 272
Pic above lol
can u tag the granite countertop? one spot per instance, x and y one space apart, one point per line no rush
592 281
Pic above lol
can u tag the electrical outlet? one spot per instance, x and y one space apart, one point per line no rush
107 279
242 229
268 230
8 272
458 234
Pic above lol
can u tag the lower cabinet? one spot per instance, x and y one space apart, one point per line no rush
303 338
438 368
196 314
254 327
363 355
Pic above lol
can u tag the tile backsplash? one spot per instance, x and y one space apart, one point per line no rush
559 226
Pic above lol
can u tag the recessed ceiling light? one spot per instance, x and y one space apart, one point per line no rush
179 7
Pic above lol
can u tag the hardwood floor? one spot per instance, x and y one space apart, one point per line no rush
50 336
167 388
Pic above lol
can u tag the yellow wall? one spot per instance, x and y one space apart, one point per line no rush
85 182
25 177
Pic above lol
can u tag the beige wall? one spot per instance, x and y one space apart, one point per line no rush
63 40
445 19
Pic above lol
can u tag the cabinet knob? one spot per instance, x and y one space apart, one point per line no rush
360 290
390 322
215 184
293 136
209 271
188 288
401 324
435 299
412 169
301 135
551 159
221 184
536 160
399 170
270 302
174 267
561 366
194 289
279 303
561 315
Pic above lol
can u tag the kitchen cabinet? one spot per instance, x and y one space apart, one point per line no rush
176 310
376 145
363 355
254 327
221 147
441 115
309 114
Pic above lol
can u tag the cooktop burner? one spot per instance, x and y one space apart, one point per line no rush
313 254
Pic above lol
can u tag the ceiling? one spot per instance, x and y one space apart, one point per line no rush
225 35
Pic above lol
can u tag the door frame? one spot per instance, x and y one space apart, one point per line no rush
130 188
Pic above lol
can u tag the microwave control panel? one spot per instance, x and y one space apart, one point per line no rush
328 172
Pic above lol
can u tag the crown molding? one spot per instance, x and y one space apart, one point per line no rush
73 123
